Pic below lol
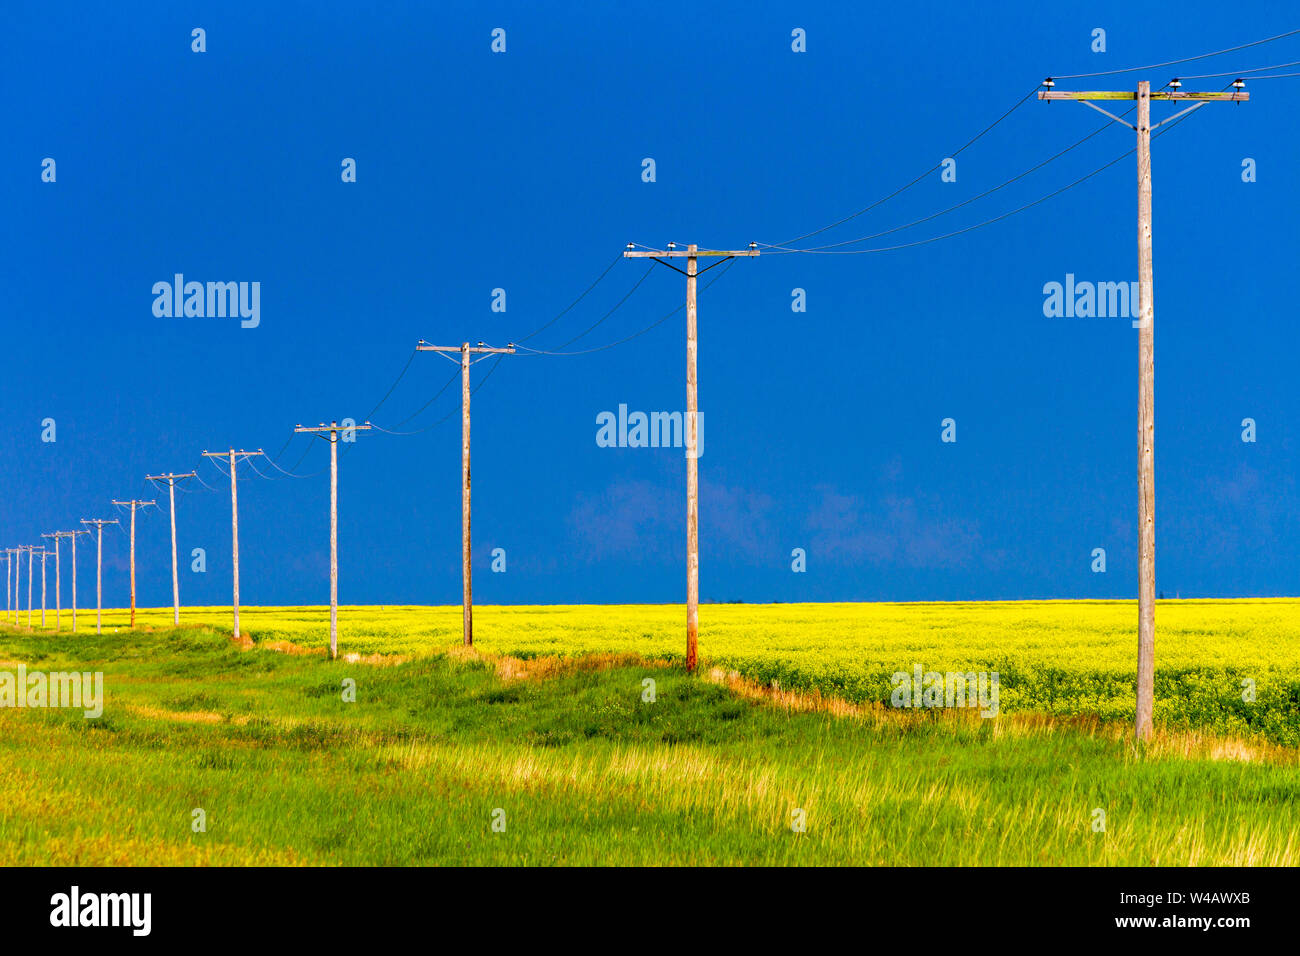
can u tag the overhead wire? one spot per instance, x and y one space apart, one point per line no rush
1186 59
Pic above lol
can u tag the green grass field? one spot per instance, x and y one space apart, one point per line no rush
544 728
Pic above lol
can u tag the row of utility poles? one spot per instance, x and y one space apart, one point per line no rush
692 254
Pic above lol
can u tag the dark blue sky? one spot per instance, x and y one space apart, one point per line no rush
522 171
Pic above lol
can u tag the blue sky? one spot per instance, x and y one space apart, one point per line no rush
523 171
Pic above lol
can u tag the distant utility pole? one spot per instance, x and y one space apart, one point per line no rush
29 548
44 554
333 429
11 583
8 559
233 457
58 584
691 254
18 582
1146 358
16 560
134 504
467 575
99 564
72 535
171 480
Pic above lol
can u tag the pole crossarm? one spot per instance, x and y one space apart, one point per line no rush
333 427
236 454
170 476
424 346
687 254
1236 96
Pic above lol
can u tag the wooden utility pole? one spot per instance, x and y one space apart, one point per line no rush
233 458
8 559
467 575
333 429
99 567
44 554
134 504
58 582
691 254
29 548
73 536
1145 325
171 480
14 557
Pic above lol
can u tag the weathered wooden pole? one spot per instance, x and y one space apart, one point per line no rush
30 558
73 536
691 254
1146 426
692 468
467 575
57 588
1145 324
99 566
466 571
332 432
176 581
44 554
171 479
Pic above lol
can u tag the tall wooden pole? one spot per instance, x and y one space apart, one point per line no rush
171 479
44 554
132 625
692 469
74 581
334 545
332 432
99 575
467 575
1146 426
176 581
691 254
1145 324
133 503
234 540
233 457
99 564
30 557
58 586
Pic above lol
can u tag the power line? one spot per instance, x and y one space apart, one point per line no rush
967 202
653 325
1187 59
1253 69
645 275
909 185
566 309
988 222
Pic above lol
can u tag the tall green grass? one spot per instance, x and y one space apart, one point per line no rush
584 771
